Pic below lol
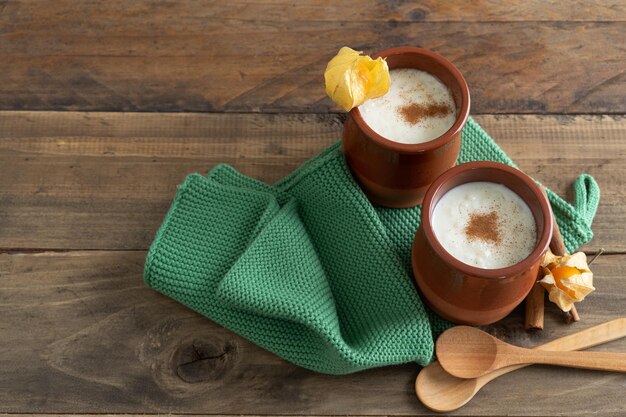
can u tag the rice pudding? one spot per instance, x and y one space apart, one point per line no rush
484 224
418 108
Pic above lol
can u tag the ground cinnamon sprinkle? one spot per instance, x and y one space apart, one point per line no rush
483 226
413 113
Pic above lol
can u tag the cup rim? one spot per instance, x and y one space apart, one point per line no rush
541 198
445 138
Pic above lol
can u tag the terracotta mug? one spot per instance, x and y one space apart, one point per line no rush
463 293
396 174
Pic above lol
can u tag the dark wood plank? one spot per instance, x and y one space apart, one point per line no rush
329 11
424 11
80 333
82 172
198 414
105 180
270 56
148 415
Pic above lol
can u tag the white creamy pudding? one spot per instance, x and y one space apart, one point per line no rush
418 108
484 224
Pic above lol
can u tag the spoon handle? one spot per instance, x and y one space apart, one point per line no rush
603 361
593 336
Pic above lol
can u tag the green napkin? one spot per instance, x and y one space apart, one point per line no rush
308 268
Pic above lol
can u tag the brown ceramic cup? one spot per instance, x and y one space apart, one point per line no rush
396 174
463 293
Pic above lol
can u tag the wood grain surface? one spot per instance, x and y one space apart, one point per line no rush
92 338
94 138
151 55
105 180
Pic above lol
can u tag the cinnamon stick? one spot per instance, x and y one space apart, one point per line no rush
557 246
535 299
534 308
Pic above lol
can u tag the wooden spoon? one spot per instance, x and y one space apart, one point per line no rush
467 352
440 391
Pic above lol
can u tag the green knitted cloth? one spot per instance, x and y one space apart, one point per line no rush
308 268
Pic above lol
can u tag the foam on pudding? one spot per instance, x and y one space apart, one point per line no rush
418 108
484 224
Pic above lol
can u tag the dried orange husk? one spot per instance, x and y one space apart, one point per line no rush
352 78
566 278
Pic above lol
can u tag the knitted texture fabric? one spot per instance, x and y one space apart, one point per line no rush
308 268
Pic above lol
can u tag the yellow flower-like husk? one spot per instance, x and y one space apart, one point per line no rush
351 78
578 285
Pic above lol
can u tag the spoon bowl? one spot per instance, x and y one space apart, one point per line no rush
467 351
440 391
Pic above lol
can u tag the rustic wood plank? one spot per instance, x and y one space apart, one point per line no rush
195 12
80 333
105 180
155 415
270 56
199 414
425 11
80 173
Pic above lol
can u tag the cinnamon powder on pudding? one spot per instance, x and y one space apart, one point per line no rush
413 113
484 227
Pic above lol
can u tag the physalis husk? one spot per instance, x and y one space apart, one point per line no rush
352 78
567 278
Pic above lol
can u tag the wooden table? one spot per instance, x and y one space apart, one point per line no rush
107 106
